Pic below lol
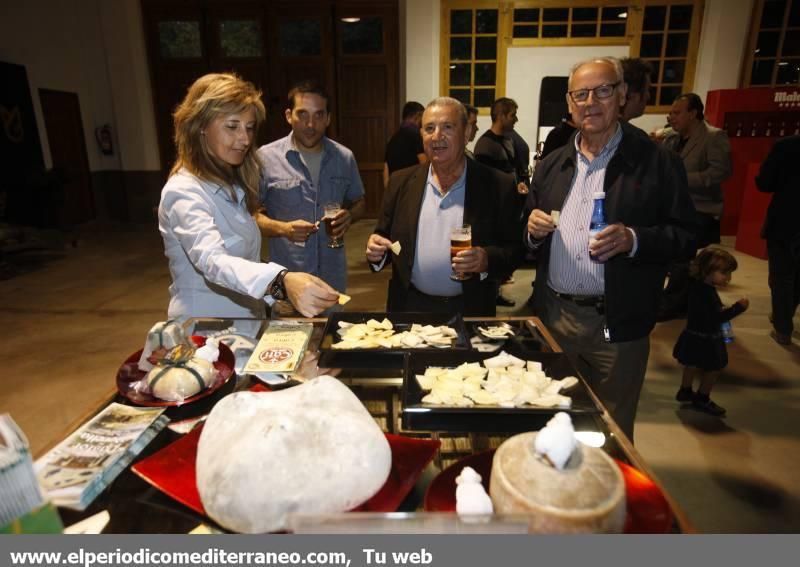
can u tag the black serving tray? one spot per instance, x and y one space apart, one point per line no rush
376 357
523 342
418 416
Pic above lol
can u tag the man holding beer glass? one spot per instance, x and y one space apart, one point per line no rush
424 203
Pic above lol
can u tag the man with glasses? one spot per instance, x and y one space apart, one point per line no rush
602 312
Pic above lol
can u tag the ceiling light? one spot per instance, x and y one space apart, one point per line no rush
782 63
351 20
622 15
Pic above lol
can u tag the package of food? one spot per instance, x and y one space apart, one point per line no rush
280 349
162 337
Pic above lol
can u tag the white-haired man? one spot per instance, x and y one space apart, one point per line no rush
602 311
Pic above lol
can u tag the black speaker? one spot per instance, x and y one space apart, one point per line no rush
552 101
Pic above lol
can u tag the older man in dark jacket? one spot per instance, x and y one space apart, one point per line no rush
602 311
421 206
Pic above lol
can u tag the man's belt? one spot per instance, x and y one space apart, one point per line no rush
581 300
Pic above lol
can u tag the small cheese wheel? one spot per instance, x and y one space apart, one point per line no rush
588 496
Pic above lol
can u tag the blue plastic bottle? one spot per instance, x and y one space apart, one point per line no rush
727 331
598 221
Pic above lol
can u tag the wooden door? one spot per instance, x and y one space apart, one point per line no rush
275 44
62 120
367 80
301 48
175 36
237 41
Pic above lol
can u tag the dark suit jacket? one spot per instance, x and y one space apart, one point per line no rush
645 188
780 175
490 206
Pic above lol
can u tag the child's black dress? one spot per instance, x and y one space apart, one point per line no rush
701 344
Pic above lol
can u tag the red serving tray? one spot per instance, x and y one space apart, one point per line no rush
173 470
648 511
129 374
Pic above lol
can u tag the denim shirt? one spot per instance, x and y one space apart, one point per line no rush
288 193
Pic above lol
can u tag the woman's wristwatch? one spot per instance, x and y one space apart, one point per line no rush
276 289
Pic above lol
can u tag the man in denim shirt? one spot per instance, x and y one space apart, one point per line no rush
301 173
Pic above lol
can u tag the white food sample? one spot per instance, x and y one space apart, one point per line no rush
209 351
311 449
471 497
497 332
375 334
503 380
396 247
556 440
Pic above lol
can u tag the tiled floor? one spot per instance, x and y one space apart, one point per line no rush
69 319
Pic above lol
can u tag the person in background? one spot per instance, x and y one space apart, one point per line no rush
780 175
559 136
206 212
496 148
706 155
701 346
301 174
637 78
601 312
423 203
522 152
405 146
472 127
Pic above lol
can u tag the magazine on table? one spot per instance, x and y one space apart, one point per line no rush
79 468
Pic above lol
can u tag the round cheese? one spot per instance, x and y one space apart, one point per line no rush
176 383
310 449
588 496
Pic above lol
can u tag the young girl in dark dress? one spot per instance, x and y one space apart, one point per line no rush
701 346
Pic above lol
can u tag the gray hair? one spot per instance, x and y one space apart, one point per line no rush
450 101
612 62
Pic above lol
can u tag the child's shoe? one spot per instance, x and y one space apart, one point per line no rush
705 404
684 395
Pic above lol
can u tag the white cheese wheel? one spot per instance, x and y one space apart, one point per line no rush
588 496
311 449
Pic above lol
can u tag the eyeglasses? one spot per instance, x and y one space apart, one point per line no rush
601 92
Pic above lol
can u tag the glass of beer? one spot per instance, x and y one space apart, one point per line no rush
331 210
460 239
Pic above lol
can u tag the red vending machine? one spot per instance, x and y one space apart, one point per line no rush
754 118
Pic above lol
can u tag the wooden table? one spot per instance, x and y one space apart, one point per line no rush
137 507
